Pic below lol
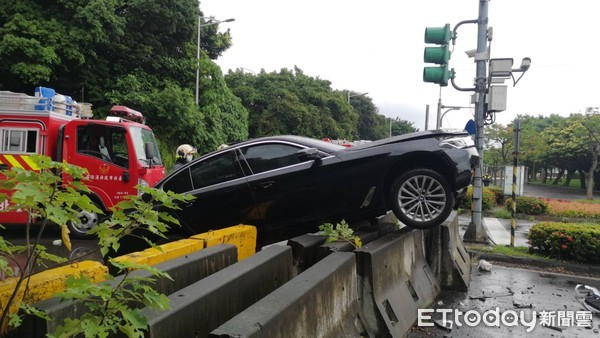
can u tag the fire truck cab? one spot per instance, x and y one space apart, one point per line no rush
119 152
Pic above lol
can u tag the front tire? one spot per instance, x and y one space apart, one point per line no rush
86 221
421 198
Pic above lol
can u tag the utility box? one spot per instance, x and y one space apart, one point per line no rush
496 98
508 180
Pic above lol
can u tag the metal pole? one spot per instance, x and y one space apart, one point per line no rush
426 117
198 63
514 183
390 127
476 230
438 121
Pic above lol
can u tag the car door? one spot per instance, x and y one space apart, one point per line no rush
291 195
223 197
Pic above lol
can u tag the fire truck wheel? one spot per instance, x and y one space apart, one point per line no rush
87 220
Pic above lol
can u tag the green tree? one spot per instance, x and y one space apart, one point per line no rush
500 137
141 54
400 126
371 124
587 127
290 102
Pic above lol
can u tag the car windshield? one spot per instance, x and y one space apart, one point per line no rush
141 136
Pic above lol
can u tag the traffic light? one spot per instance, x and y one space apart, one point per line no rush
439 55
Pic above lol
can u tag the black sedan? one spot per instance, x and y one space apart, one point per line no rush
289 185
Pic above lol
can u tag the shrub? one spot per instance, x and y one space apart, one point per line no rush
573 241
488 202
528 205
499 192
502 213
573 209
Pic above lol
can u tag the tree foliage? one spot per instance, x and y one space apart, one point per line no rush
111 307
400 127
137 53
570 144
291 102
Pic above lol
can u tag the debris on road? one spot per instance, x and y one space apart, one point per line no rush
484 265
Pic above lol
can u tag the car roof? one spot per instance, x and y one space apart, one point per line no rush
303 140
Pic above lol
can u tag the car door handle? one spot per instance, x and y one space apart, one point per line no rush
264 185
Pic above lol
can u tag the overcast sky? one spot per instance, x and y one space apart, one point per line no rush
376 47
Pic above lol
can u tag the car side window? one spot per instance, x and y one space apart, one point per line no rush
217 169
179 183
265 157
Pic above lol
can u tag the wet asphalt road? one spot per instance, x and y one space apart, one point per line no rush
513 289
556 192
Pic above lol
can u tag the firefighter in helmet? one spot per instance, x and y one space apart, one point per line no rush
185 154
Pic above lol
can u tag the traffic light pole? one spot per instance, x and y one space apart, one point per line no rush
476 231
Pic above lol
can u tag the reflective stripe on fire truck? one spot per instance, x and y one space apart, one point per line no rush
13 161
30 163
26 163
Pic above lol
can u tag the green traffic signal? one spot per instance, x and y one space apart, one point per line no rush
437 55
438 75
438 35
440 55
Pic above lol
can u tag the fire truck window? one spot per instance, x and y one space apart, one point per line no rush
120 154
19 141
31 141
107 144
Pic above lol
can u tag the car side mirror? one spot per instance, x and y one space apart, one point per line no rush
309 154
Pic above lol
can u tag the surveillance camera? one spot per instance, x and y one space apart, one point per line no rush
471 52
525 64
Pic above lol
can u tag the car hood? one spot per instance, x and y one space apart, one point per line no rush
437 133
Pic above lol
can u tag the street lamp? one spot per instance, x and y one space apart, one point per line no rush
353 95
449 109
211 22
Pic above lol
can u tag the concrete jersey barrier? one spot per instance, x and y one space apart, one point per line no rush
203 306
320 302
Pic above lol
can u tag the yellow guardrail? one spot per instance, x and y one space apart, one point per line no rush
45 284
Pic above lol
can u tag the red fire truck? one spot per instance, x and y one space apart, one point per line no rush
119 152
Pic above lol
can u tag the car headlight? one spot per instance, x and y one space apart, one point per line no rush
457 142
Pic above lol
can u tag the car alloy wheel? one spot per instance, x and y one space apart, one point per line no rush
421 198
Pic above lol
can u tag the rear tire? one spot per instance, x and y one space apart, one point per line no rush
421 198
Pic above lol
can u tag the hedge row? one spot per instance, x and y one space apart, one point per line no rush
527 205
573 241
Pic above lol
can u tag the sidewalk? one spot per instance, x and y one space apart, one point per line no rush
499 229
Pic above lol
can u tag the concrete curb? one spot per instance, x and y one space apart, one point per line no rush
541 263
